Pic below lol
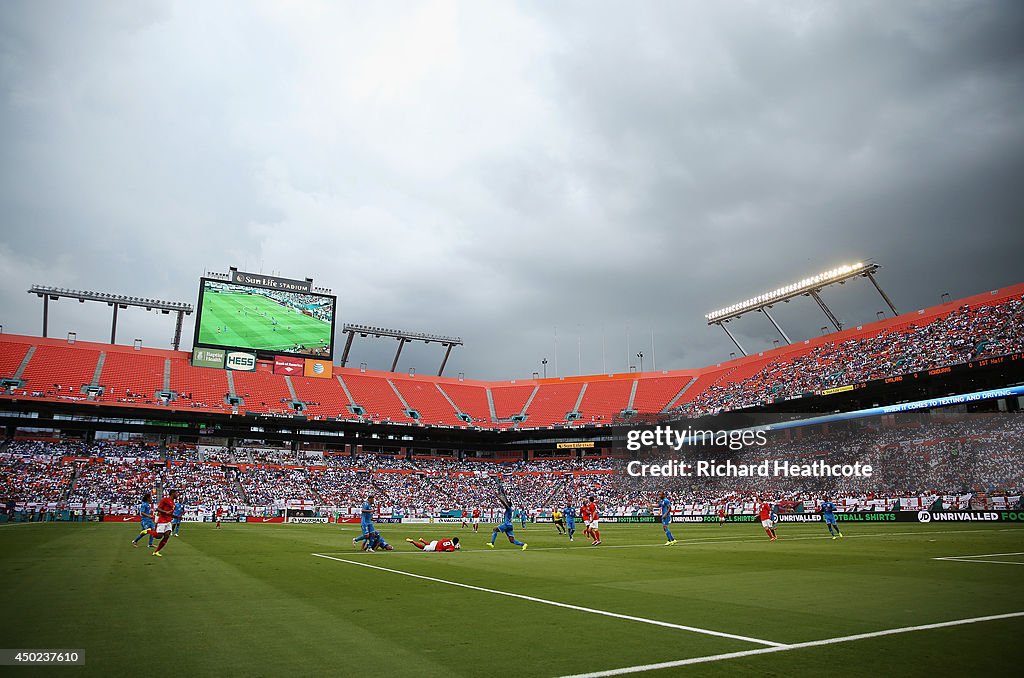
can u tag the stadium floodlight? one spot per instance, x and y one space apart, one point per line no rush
810 286
403 338
805 286
116 301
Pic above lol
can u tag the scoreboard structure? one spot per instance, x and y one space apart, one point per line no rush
265 315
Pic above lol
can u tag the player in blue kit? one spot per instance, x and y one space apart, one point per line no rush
146 513
828 513
506 524
570 520
179 511
665 508
365 520
375 542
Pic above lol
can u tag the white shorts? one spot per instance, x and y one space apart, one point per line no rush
163 527
768 523
476 521
431 546
594 524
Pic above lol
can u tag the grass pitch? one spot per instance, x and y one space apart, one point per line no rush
248 322
253 600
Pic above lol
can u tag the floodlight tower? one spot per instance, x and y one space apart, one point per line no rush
403 337
116 301
808 287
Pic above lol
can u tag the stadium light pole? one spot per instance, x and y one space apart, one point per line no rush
640 354
885 297
116 301
777 326
544 363
742 350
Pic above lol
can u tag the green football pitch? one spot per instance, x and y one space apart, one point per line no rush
298 600
247 321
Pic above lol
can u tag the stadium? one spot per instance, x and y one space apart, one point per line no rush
288 494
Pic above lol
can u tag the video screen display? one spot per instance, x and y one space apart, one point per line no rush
265 320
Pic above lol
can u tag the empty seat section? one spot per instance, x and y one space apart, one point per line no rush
323 397
424 397
201 387
376 397
131 377
65 366
11 355
654 393
509 400
552 403
263 392
471 400
605 399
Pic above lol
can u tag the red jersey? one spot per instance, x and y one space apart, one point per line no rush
445 545
589 512
721 513
766 511
476 513
164 510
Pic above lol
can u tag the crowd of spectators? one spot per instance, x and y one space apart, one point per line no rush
960 459
966 333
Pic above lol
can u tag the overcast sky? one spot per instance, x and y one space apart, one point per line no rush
498 170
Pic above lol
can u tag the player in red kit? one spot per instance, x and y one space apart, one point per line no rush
585 517
767 523
476 520
164 518
721 516
442 546
219 512
594 523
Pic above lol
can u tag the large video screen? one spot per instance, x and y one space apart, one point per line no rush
265 321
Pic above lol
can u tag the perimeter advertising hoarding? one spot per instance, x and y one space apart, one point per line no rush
323 369
288 366
240 361
271 318
208 357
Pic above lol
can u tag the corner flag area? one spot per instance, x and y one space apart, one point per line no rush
300 600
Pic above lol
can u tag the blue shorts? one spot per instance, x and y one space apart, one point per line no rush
665 521
830 518
367 528
148 524
506 528
571 524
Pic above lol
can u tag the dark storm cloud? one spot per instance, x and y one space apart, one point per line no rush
498 171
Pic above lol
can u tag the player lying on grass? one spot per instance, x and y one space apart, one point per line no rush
506 524
442 546
375 542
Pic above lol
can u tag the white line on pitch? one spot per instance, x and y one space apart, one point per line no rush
794 646
567 606
985 562
983 555
698 542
